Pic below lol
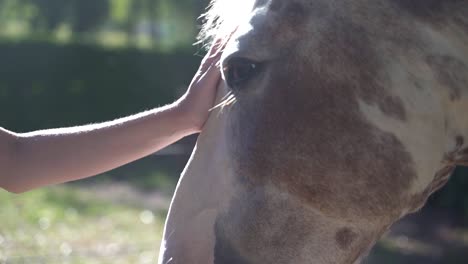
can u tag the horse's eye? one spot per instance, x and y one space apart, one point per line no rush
238 71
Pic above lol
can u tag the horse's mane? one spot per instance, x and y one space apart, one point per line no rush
222 18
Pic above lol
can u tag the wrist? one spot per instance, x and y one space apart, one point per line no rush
186 117
9 142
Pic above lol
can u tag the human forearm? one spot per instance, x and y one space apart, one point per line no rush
60 155
53 156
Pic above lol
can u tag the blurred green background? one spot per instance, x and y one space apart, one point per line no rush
70 62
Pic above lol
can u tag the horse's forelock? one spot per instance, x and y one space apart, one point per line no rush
222 18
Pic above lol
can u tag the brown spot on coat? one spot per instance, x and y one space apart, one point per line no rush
459 141
345 237
393 106
451 73
348 53
260 228
458 156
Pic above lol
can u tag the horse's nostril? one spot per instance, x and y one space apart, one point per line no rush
238 71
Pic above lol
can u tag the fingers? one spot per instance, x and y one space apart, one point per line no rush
213 55
210 60
212 74
208 73
216 48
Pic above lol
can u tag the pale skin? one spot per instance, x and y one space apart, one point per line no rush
46 157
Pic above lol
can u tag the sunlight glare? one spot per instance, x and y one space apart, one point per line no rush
146 217
44 223
66 249
230 14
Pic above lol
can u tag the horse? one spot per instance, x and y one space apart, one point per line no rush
334 119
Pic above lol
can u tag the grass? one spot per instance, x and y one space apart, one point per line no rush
119 218
69 224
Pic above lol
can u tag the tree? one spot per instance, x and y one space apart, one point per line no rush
88 15
51 13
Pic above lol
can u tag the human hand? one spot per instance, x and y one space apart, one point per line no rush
196 103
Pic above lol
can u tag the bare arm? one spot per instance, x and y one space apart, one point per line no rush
46 157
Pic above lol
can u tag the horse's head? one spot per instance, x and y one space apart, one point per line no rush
336 118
